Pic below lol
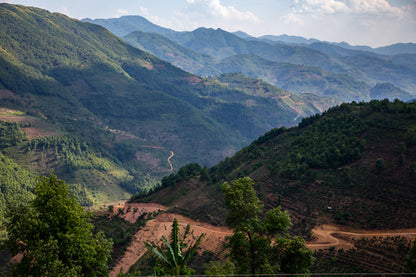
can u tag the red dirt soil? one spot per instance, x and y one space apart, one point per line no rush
161 226
332 235
325 236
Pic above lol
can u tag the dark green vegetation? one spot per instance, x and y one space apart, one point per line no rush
174 255
105 116
293 63
251 246
377 254
323 171
54 236
411 259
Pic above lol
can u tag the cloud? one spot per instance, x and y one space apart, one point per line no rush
143 11
293 18
64 10
120 12
216 9
373 7
320 6
345 6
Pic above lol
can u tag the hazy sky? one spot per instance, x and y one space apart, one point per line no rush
358 22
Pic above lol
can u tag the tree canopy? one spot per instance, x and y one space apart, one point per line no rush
261 243
54 236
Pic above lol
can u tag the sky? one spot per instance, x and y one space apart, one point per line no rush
359 22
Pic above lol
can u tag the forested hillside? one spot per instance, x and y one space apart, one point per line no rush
111 119
338 70
353 165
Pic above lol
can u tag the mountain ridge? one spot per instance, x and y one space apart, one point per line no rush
337 58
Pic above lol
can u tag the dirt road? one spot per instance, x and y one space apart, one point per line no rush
326 235
161 226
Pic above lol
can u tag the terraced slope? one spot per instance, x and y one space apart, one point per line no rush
354 165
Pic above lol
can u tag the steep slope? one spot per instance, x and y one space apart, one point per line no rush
126 24
220 44
264 98
364 64
380 69
353 165
140 117
389 91
77 79
398 48
298 78
79 71
172 52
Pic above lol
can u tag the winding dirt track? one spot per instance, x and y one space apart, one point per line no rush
325 235
170 163
161 226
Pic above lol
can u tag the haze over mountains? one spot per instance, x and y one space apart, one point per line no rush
137 110
74 79
338 70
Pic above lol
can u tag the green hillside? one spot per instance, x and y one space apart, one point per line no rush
353 165
389 91
172 52
298 78
112 119
358 64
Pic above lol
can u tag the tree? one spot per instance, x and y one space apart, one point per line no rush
173 259
54 235
411 259
261 243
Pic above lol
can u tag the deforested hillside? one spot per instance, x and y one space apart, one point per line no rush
353 165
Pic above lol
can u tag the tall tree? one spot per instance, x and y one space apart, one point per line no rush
173 258
411 258
54 235
261 243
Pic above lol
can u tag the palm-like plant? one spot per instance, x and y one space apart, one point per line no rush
177 254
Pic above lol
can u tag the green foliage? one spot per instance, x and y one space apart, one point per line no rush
251 245
54 235
10 134
173 259
379 164
411 259
329 143
220 268
16 184
330 161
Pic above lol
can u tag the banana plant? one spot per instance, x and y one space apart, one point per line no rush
175 255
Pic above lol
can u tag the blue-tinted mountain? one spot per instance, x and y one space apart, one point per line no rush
398 48
289 39
389 91
356 63
129 23
298 78
173 52
106 115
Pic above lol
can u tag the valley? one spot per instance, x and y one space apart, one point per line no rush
140 124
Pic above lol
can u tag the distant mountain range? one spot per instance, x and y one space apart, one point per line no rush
106 116
350 71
